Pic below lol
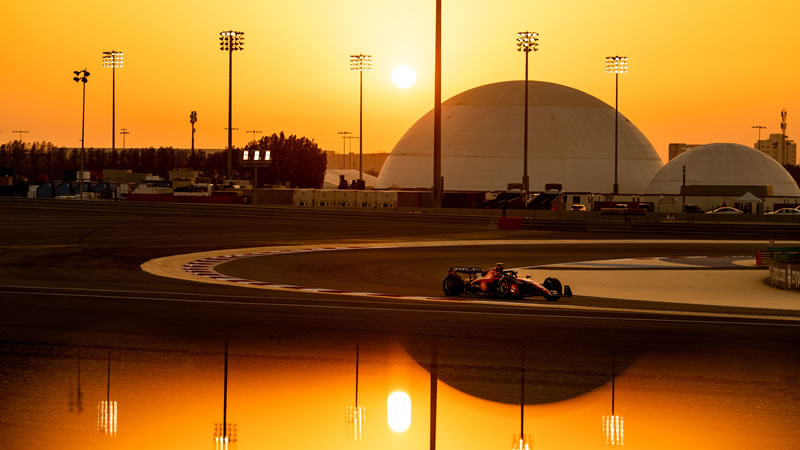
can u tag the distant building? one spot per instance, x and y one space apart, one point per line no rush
677 149
372 162
772 148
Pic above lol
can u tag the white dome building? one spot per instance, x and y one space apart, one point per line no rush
570 141
724 165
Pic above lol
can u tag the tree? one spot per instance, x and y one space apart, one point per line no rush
296 160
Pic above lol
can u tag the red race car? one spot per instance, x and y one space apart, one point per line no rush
500 283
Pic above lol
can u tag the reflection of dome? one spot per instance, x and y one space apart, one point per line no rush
725 165
570 141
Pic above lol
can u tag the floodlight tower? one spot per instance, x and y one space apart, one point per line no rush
124 132
344 140
361 63
113 59
616 65
230 41
82 76
527 41
759 127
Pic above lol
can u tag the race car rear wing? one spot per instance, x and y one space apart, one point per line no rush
469 270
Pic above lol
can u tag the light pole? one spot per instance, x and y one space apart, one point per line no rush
759 127
344 139
613 425
82 76
230 41
193 120
527 41
438 181
783 156
361 63
350 138
253 132
113 59
124 132
20 132
616 65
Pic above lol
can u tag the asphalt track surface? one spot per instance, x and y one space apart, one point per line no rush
70 275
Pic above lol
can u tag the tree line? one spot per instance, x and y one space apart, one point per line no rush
296 161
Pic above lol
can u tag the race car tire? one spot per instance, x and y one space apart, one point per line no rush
453 286
552 284
504 289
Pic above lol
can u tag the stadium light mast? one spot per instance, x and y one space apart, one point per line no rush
616 65
527 41
361 63
82 76
113 59
344 141
124 132
759 127
230 41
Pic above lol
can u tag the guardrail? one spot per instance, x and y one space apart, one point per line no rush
784 276
786 255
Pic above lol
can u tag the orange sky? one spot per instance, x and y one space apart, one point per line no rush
700 71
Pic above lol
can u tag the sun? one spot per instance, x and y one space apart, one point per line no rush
404 76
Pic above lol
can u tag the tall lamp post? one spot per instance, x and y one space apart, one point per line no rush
344 140
361 63
783 156
113 59
527 41
616 65
82 76
254 132
759 127
20 132
124 132
193 120
230 41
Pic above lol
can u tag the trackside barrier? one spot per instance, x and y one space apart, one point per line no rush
386 199
345 198
780 254
784 276
324 197
509 223
365 199
303 197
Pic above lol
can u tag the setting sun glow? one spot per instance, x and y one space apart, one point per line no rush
404 76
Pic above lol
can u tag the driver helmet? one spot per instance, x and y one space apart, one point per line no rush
499 267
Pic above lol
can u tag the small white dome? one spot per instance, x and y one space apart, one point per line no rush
570 141
723 165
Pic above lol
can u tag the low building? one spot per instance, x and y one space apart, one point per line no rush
773 148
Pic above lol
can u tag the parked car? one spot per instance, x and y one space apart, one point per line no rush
726 210
786 212
577 207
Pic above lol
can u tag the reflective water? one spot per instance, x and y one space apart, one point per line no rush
333 391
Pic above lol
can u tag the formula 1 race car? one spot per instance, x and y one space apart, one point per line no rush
500 283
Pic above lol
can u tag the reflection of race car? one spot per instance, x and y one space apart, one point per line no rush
501 283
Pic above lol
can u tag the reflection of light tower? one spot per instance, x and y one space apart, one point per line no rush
616 65
193 120
759 127
521 441
356 416
225 433
124 132
113 59
78 405
107 410
783 157
527 41
82 76
361 63
344 139
230 41
613 425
